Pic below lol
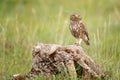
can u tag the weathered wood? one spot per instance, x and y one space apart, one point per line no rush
71 69
51 59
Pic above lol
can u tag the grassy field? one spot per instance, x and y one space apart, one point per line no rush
23 23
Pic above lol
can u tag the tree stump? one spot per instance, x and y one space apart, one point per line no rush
47 59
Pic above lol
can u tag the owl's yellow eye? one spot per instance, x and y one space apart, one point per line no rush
78 16
73 15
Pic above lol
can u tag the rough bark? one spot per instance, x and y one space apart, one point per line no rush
52 59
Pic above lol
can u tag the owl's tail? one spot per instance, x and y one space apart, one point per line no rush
86 40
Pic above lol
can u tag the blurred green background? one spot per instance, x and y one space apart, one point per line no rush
23 23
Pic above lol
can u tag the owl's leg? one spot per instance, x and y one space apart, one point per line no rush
79 41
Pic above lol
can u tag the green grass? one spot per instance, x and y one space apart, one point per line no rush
23 23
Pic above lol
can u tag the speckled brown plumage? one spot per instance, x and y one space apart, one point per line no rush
78 29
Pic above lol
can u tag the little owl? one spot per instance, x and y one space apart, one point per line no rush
78 29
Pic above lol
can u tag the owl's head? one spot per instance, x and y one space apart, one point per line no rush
75 17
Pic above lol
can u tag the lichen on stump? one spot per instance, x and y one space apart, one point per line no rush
47 59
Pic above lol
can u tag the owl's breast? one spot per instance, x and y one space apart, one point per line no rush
75 30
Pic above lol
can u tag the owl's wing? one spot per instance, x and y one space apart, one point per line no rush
85 33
